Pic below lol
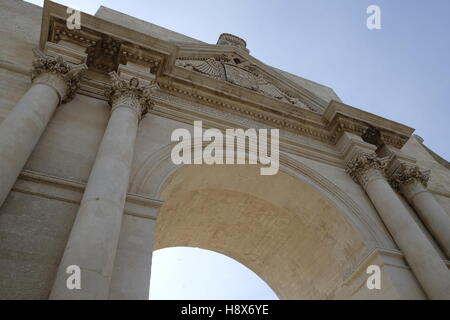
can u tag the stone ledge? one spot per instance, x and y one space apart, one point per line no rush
393 258
14 67
71 191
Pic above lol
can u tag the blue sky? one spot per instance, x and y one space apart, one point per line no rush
401 72
193 273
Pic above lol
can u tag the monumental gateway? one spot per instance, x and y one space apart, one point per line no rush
87 179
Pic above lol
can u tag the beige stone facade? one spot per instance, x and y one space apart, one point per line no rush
86 176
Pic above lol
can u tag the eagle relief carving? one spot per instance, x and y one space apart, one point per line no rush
210 67
241 77
240 73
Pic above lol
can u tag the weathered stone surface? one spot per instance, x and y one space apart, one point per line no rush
310 231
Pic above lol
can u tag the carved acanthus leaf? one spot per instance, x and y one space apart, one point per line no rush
130 93
362 163
409 174
69 73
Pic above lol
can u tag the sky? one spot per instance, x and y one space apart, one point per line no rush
203 275
400 72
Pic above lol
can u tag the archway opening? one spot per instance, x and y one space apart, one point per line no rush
279 226
186 273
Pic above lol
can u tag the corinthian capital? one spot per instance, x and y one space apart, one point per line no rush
365 167
130 93
54 71
405 175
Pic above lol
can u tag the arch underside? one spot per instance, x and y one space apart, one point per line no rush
278 226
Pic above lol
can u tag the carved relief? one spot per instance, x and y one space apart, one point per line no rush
407 175
69 74
241 73
366 167
130 94
106 52
241 77
210 67
372 135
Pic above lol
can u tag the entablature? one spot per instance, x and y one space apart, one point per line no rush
107 44
220 76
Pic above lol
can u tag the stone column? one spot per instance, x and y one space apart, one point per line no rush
412 183
53 81
424 260
94 237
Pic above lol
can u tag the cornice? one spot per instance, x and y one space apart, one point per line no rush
325 128
309 124
391 132
109 45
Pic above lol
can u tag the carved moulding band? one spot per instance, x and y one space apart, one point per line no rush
129 93
56 73
365 168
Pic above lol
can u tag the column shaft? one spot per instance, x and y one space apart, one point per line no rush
422 257
430 212
93 241
54 81
21 130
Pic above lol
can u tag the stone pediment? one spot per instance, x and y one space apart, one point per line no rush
243 72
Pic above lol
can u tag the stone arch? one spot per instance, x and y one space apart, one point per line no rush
151 176
302 247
